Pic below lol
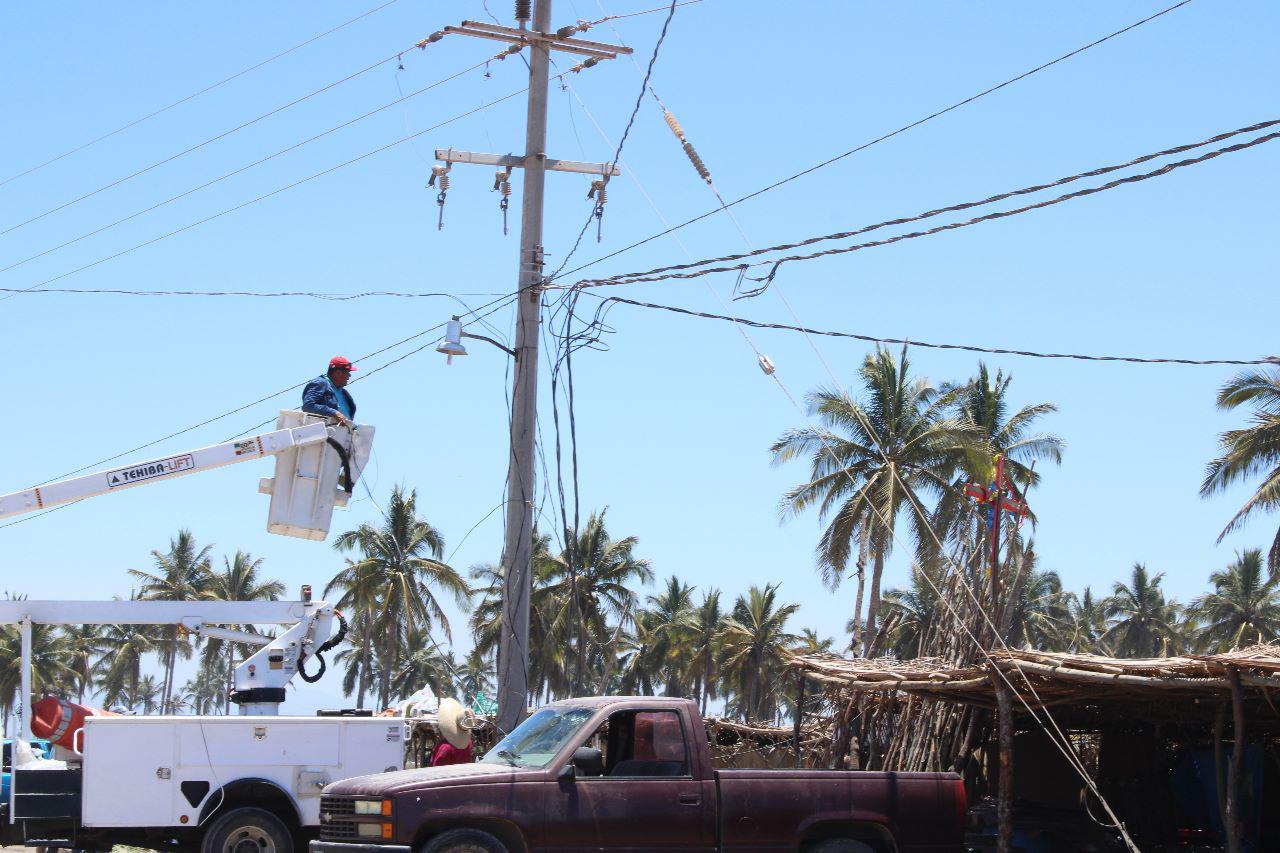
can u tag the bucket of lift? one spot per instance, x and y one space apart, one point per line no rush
312 479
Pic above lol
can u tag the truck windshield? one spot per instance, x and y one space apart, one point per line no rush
537 740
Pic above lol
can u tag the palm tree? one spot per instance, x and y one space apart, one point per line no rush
182 574
869 461
148 694
588 584
992 429
426 665
119 669
1089 623
84 643
394 578
755 646
357 657
50 657
1242 609
1251 451
478 676
704 625
1144 624
1040 616
671 610
239 580
917 610
546 652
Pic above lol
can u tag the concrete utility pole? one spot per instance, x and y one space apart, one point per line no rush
513 648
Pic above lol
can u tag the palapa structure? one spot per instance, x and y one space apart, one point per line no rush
928 714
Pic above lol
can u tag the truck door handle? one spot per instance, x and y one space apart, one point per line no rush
689 799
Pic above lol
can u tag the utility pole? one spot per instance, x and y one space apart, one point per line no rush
513 648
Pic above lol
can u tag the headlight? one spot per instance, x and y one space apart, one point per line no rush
373 807
368 830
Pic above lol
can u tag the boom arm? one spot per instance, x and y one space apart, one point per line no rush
204 459
260 680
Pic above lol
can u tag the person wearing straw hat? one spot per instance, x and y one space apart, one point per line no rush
455 723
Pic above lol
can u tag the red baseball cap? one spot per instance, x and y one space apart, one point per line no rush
342 363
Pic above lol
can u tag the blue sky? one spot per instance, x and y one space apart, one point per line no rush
675 420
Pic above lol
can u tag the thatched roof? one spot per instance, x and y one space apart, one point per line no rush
1057 678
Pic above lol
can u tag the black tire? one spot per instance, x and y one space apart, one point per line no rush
247 830
465 841
841 845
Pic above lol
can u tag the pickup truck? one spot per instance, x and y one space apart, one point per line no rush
634 773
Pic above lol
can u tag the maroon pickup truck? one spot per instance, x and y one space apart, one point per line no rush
634 773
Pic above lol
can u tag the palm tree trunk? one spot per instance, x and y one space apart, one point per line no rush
856 639
873 606
168 680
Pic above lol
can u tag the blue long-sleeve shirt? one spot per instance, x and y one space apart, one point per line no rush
322 397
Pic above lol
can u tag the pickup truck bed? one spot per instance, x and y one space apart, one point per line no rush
634 773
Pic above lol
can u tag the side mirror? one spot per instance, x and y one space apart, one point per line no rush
587 761
566 774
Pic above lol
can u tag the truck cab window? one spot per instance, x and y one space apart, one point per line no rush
646 743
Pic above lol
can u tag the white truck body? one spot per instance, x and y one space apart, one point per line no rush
134 767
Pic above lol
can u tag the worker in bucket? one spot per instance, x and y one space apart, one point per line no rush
327 395
455 723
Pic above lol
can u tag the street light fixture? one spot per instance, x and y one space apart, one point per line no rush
451 343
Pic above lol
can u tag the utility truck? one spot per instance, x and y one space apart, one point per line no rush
248 783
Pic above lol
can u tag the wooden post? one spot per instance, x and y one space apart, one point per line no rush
1234 819
799 713
1004 801
1219 762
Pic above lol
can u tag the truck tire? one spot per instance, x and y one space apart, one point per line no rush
840 845
465 841
247 830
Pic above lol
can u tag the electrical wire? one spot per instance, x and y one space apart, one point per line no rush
393 57
246 167
267 195
957 105
622 141
776 264
1068 751
756 324
284 294
968 205
500 303
195 95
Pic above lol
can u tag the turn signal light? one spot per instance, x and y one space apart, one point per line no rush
386 830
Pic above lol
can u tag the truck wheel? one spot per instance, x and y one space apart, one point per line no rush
465 841
247 830
840 845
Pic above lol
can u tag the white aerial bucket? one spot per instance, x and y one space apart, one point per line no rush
309 482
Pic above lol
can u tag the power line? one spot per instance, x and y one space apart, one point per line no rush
212 139
951 226
756 324
245 168
494 305
617 154
957 105
194 95
329 297
841 235
268 195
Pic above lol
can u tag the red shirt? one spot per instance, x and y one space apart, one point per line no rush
447 753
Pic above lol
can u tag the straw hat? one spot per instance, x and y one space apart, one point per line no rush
456 723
